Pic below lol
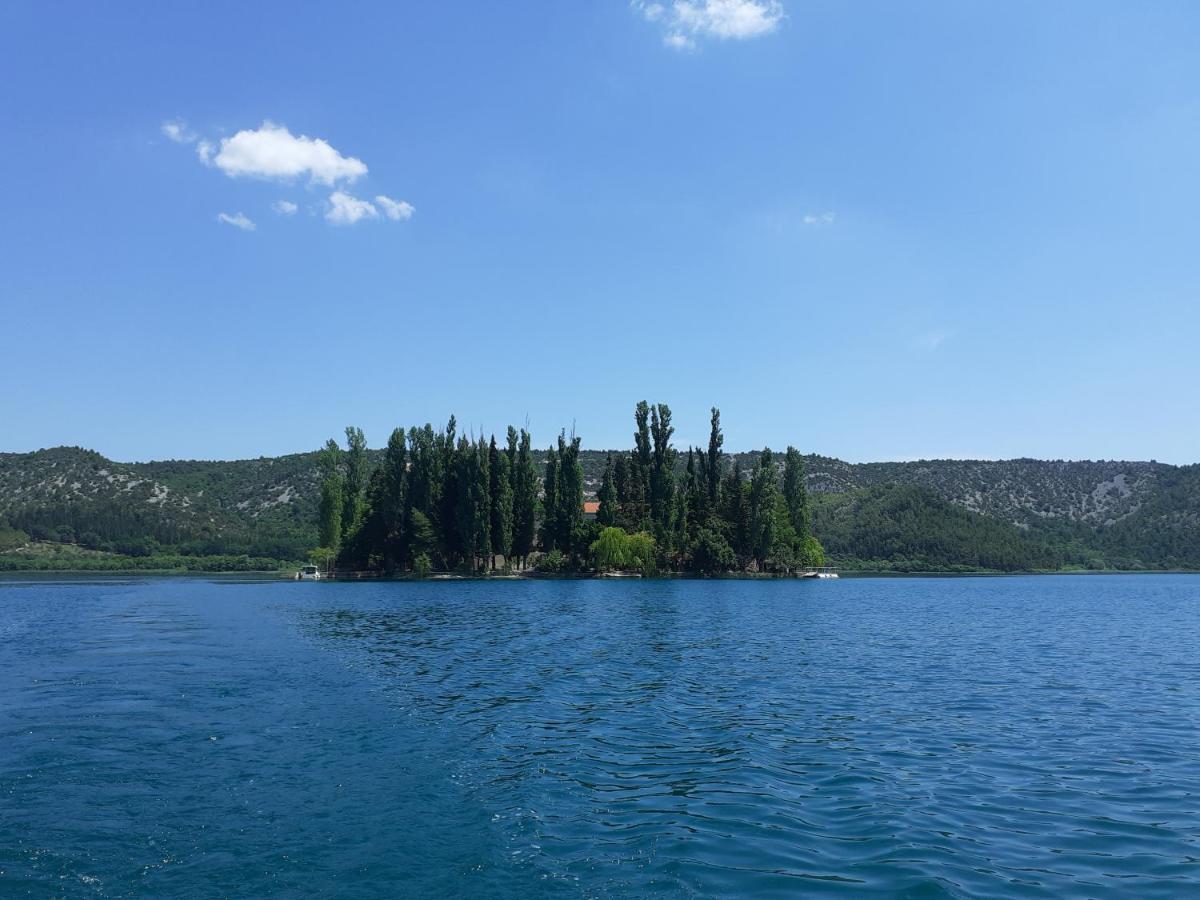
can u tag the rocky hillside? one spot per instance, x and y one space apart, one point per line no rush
1127 513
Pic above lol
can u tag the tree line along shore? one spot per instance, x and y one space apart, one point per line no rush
441 501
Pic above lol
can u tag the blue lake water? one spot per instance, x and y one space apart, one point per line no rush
992 737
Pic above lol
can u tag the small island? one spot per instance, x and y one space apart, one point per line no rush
444 502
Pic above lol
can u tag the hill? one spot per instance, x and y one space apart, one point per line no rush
964 514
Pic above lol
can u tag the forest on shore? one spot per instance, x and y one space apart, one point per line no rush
443 501
71 508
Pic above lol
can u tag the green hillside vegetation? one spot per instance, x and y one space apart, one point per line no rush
907 528
1089 514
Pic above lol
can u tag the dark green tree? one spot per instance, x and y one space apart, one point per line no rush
763 492
501 497
609 511
662 471
524 501
713 461
795 493
355 480
569 521
550 503
329 516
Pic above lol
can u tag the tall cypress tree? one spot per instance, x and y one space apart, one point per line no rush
697 506
448 525
569 522
763 492
609 506
329 514
641 463
423 498
501 498
713 463
550 507
662 474
511 451
795 493
392 513
482 498
524 501
355 480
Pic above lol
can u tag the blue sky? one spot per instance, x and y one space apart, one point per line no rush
875 230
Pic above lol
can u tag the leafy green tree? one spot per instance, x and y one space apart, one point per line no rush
711 553
611 550
330 513
422 540
552 562
642 551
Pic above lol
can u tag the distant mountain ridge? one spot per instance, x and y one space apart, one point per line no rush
1123 513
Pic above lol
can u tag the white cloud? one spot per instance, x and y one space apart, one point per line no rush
237 220
677 41
395 209
273 152
825 218
346 210
686 21
178 131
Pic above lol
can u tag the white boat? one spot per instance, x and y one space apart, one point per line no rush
309 573
821 572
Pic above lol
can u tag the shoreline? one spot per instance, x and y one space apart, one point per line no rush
289 575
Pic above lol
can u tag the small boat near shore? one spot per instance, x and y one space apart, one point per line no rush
819 572
309 573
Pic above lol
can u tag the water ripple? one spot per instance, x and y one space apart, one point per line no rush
1015 737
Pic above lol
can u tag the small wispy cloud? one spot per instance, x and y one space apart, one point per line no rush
285 207
178 131
685 22
237 220
824 218
930 341
345 209
395 209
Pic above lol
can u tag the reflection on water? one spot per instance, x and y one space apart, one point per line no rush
976 737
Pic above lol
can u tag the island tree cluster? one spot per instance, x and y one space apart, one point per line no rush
441 500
